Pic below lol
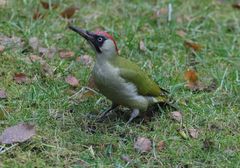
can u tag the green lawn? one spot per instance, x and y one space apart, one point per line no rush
67 134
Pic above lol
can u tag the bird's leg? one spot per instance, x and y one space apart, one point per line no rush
103 114
134 114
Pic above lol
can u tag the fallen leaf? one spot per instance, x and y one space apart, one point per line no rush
176 115
182 134
181 33
160 12
193 132
47 52
42 51
14 42
2 48
143 145
3 94
37 15
191 76
193 83
192 45
47 5
71 80
66 54
126 158
69 12
35 58
236 5
20 78
34 43
161 145
163 11
85 95
142 46
192 79
18 133
3 3
85 59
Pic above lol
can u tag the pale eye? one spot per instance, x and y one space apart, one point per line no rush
100 39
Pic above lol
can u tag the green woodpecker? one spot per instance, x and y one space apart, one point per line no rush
120 80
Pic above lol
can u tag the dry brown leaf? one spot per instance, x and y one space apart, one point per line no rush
71 80
46 5
192 45
18 133
42 51
3 3
126 158
35 58
20 78
47 52
14 42
142 46
66 54
236 5
191 76
37 15
181 33
87 94
176 115
143 145
3 94
2 48
193 132
193 83
160 12
34 43
69 12
161 145
85 59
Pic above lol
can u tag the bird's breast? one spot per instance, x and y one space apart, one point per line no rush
110 84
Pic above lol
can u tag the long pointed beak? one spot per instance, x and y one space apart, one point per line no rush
90 37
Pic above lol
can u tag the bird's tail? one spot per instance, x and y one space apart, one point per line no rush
166 101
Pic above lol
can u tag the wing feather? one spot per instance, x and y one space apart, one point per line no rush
134 74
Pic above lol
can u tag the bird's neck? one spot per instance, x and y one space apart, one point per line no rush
105 57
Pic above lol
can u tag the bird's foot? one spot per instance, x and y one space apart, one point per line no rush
134 114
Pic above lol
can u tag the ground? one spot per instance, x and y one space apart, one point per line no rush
67 134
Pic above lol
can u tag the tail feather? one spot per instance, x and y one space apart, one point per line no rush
164 100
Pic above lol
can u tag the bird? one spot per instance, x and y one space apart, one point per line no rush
121 81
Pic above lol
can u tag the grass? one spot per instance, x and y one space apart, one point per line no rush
67 136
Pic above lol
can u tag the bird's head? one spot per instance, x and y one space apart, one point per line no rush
102 42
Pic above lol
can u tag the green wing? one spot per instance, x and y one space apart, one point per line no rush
145 85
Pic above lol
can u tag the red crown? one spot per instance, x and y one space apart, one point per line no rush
109 37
